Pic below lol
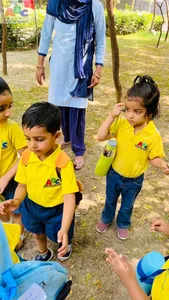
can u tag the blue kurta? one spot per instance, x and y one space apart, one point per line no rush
62 80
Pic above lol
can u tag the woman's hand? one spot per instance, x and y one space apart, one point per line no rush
40 74
94 81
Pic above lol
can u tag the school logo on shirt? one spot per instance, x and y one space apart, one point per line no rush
142 145
4 145
52 182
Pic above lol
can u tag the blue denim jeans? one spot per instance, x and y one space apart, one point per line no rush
129 189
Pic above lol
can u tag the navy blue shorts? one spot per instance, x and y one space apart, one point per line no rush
39 219
9 194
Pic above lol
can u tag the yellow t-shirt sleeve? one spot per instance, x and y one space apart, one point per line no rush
115 126
21 173
69 185
157 149
17 137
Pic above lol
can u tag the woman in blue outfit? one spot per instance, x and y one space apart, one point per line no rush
79 32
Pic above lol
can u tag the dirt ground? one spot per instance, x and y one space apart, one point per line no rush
92 278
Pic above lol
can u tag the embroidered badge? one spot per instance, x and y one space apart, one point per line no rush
142 145
52 182
4 145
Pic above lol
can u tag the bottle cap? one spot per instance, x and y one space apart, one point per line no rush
112 143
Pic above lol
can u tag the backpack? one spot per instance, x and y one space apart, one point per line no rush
60 163
15 279
160 283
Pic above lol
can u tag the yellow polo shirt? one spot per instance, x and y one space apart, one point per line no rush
11 140
43 184
134 150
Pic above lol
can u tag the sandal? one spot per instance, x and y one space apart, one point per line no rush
78 162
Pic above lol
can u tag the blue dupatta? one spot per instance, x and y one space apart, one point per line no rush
80 12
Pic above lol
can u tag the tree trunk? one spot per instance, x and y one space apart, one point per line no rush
4 40
167 15
160 7
114 48
133 4
154 14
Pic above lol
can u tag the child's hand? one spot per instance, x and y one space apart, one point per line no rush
63 240
165 167
160 225
117 110
8 206
3 183
120 265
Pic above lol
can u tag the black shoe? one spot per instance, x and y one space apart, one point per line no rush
67 255
48 256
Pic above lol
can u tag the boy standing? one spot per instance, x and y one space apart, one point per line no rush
49 209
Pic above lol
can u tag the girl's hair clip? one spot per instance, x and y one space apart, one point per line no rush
146 79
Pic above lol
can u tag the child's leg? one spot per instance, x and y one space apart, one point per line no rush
113 190
41 242
131 189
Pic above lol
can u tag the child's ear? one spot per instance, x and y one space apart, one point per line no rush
57 134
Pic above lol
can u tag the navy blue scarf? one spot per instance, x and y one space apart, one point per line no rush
80 12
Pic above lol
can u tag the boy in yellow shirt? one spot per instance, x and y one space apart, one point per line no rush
49 209
12 144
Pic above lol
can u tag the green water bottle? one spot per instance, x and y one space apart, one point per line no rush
106 158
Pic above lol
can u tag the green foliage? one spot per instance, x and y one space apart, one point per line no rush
21 31
157 23
127 21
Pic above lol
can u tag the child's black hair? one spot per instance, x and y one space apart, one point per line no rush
42 114
145 88
4 86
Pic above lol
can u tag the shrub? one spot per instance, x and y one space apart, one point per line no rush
127 21
21 33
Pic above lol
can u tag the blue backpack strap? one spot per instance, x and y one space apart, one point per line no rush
10 286
149 278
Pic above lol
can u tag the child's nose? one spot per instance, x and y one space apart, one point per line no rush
33 145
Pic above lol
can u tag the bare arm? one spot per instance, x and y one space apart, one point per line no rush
4 180
160 163
125 271
40 70
9 206
103 133
68 214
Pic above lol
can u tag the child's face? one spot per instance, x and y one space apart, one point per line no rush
5 106
135 113
41 142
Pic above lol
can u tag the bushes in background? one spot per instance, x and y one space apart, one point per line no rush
22 33
127 21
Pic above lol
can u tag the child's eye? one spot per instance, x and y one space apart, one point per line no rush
40 140
2 108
